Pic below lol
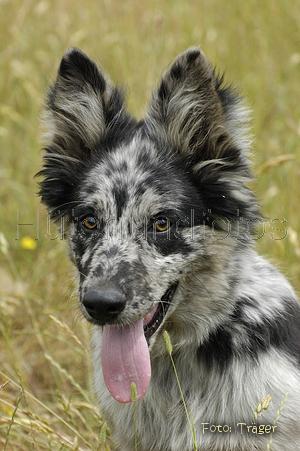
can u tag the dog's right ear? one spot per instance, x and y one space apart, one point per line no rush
81 107
81 104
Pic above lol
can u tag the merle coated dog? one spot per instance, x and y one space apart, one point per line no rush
160 221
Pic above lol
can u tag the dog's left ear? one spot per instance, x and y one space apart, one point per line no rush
203 120
206 124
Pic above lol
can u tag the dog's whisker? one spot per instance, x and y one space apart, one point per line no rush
82 274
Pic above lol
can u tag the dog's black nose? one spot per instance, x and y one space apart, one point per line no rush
104 304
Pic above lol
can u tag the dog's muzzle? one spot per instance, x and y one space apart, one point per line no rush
105 303
125 354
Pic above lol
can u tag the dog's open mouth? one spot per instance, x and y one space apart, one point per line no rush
125 352
153 320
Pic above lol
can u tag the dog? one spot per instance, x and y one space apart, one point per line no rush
160 223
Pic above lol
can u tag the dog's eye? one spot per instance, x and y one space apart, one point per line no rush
162 224
89 222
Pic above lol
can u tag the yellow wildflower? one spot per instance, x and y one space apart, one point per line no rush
28 243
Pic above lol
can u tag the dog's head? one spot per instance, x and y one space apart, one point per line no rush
146 206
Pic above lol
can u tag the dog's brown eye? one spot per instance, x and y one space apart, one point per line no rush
162 224
90 222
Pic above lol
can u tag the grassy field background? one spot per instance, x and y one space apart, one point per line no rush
46 396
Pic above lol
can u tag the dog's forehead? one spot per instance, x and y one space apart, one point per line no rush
135 175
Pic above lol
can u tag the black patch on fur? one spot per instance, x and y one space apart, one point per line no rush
97 272
192 56
176 244
57 189
176 71
90 189
216 197
282 331
217 350
120 194
163 91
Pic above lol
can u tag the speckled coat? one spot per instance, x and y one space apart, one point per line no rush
233 319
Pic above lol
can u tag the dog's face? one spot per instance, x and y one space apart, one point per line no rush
145 205
131 228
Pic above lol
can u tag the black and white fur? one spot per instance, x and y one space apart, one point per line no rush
234 320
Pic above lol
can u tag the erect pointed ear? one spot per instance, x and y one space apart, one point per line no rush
202 120
206 124
80 104
82 110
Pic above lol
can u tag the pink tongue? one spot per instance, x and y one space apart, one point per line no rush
125 359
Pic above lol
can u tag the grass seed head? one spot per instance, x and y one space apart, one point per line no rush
167 342
102 435
133 392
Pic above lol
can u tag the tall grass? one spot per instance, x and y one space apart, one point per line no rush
46 396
